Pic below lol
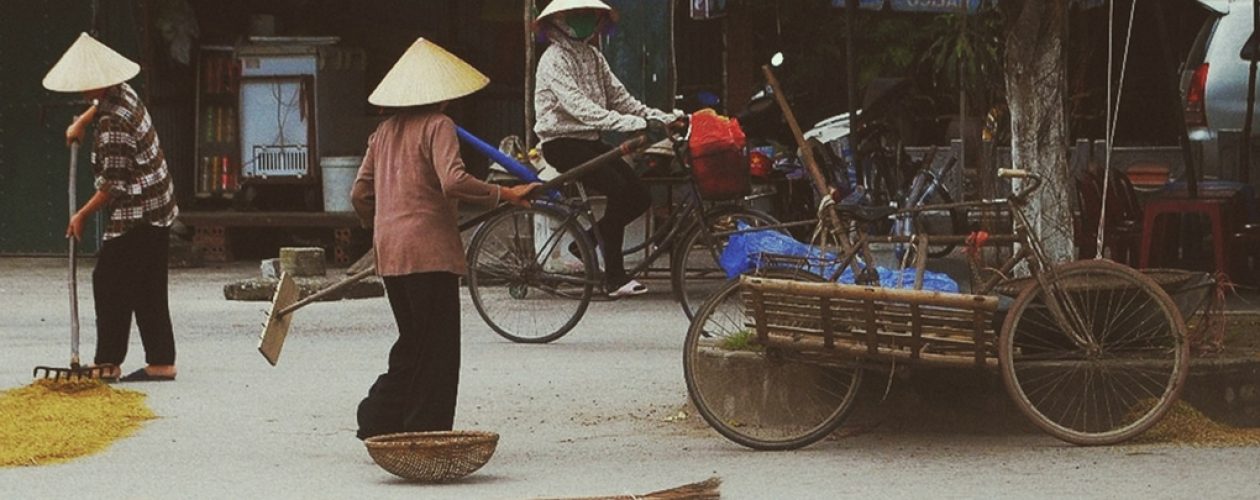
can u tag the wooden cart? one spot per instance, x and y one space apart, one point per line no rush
1093 352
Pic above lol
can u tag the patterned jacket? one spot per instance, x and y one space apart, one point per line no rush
577 95
128 163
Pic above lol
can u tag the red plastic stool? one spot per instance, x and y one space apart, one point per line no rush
1217 211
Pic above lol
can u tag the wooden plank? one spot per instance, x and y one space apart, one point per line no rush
759 312
916 322
964 324
845 349
960 318
872 328
825 316
277 328
979 329
269 219
774 318
885 338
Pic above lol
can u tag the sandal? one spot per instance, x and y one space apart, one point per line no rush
143 376
629 289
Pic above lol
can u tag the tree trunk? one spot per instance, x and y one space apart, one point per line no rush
1035 84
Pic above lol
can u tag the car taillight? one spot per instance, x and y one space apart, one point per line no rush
1195 116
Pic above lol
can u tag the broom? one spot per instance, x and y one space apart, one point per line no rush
703 490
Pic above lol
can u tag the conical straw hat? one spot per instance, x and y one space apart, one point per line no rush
426 74
88 65
563 5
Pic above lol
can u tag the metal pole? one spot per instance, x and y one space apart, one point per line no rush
1170 65
1244 151
851 12
527 137
962 91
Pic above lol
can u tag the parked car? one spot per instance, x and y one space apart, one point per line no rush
1214 86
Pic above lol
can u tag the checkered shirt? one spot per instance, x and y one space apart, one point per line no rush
128 163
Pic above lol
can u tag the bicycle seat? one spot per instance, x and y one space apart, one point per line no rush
866 213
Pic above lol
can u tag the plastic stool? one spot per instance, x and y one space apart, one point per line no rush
1216 209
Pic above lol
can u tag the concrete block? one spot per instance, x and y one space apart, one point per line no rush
270 268
302 261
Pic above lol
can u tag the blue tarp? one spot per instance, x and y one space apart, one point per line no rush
744 251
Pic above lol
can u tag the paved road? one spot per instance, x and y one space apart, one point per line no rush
583 416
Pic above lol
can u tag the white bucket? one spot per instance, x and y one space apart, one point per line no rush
339 173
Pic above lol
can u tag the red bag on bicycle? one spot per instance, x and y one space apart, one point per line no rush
717 157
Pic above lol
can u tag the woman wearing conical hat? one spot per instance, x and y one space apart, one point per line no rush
133 188
407 189
575 98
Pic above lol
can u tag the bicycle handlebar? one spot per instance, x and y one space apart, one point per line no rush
1017 173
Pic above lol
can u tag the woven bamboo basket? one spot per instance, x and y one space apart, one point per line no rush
432 456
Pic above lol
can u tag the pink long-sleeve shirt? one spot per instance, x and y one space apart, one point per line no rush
407 189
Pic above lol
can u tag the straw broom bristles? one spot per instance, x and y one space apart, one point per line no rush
703 490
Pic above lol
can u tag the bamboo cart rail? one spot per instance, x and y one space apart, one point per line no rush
879 323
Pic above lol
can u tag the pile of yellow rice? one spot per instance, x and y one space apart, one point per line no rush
55 421
1185 425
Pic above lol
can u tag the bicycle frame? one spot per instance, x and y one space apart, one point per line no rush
1030 251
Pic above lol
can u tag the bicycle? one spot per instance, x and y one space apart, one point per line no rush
1092 352
534 271
888 175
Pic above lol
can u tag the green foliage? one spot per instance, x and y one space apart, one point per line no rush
967 53
741 341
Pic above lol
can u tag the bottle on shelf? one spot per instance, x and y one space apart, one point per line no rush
215 174
208 129
229 125
229 177
203 176
218 124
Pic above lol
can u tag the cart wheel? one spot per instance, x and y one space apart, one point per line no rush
759 398
1124 374
523 280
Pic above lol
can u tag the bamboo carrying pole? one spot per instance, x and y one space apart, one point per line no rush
811 163
285 302
835 291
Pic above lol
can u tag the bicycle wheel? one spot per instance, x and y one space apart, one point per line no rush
759 398
695 269
524 281
1123 375
940 222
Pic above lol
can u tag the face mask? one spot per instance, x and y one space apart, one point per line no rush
581 25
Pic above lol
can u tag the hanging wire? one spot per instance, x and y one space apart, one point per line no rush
1113 111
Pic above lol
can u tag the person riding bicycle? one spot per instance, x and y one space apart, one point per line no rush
576 97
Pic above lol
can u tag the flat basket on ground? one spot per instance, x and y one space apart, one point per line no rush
432 456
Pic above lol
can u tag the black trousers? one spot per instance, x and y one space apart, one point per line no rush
627 197
130 279
418 391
